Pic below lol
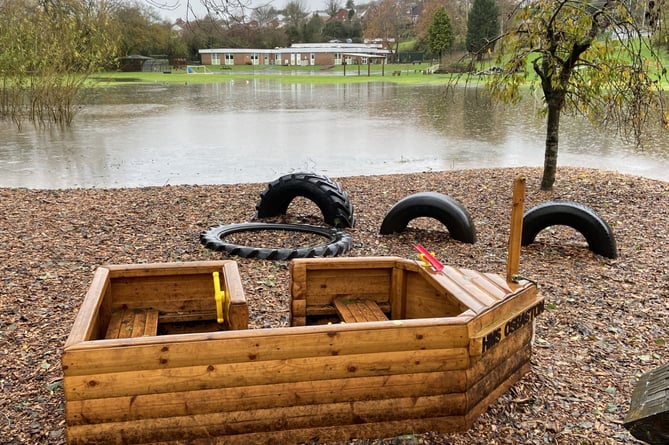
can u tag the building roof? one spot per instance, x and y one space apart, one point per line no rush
359 49
370 56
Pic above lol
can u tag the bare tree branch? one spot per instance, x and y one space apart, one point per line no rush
238 11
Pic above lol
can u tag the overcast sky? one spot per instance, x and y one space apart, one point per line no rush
180 10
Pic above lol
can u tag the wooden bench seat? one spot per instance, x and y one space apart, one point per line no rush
357 310
127 323
648 416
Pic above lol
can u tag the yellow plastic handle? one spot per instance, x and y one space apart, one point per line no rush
219 296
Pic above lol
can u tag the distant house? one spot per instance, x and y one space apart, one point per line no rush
302 54
342 14
136 63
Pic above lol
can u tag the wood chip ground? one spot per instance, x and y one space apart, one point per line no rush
606 324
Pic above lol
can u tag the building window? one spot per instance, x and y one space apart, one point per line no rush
229 59
215 59
254 59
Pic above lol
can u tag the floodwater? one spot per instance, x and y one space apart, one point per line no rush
256 131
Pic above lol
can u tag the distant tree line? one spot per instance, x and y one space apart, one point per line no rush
232 24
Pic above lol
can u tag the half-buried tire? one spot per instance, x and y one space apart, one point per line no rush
435 205
596 231
326 194
337 241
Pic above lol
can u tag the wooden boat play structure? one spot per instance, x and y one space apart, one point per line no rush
377 347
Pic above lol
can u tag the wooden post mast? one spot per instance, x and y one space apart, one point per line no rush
516 232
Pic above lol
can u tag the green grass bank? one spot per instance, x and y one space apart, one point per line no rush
410 74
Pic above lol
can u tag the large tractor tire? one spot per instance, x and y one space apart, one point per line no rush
338 242
326 194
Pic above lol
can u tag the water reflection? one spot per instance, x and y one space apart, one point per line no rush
257 130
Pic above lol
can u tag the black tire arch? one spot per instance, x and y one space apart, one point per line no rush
338 241
435 205
328 195
582 218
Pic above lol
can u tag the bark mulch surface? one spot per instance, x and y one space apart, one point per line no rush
606 321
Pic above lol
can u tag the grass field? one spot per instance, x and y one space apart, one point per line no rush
408 74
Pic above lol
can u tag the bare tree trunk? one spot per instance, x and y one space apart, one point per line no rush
552 137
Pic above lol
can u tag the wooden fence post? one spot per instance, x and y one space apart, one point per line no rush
516 232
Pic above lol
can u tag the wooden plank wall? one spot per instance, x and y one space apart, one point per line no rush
424 300
264 381
316 283
397 286
281 380
369 379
